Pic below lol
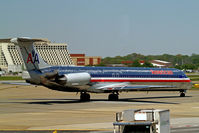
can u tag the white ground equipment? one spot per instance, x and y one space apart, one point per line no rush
142 121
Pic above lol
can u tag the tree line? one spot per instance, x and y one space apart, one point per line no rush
179 61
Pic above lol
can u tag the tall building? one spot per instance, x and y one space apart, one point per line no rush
52 53
82 60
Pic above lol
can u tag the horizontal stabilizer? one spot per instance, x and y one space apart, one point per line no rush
22 39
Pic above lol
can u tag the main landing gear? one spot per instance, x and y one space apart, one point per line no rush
182 93
113 96
84 96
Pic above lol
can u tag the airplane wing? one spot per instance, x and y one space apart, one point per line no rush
128 87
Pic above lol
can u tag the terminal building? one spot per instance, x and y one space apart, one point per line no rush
52 53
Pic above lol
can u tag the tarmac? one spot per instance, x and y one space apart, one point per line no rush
38 108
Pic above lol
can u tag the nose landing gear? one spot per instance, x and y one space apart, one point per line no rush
182 93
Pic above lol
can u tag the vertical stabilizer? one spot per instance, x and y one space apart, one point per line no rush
31 57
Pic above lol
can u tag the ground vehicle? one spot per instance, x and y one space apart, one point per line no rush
142 121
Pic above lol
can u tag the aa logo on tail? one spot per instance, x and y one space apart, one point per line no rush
33 57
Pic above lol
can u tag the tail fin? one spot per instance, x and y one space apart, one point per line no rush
31 58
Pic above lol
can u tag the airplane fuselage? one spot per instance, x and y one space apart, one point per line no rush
133 75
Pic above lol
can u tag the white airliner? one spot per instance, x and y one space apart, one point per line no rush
87 80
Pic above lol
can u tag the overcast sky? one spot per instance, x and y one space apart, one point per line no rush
106 27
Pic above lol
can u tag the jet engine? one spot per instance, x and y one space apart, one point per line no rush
74 79
71 79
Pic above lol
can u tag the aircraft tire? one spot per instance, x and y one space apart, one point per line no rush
113 97
182 94
85 97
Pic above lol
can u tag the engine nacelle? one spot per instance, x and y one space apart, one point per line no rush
77 78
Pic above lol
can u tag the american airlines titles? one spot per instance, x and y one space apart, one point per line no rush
161 72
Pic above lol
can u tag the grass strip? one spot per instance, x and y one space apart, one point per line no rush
11 78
